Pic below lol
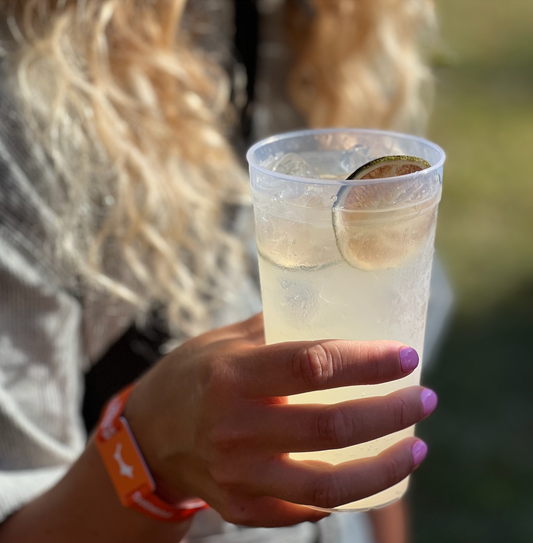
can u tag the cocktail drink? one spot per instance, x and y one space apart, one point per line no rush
345 259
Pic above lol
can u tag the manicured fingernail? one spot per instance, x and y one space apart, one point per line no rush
429 401
408 359
419 451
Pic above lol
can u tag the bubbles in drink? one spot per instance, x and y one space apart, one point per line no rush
299 301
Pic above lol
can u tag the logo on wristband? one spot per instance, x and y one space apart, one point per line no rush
124 469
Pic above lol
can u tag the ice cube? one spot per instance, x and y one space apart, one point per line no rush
354 158
293 164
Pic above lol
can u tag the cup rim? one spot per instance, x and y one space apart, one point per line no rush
368 131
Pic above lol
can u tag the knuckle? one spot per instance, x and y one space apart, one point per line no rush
373 357
393 473
224 371
224 441
335 427
399 413
327 492
314 365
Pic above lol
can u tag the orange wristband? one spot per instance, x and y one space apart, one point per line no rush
128 471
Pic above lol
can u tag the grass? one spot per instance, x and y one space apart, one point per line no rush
476 485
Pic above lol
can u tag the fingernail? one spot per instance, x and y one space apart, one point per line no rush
408 359
419 451
429 401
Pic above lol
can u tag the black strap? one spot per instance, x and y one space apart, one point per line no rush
246 48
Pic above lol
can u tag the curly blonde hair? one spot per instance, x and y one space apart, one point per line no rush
135 117
361 63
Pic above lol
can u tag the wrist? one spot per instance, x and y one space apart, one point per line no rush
134 483
150 436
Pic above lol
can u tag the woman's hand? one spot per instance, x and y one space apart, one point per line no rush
213 421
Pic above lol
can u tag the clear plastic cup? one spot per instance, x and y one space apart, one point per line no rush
345 259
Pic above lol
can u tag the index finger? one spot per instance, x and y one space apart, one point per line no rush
283 369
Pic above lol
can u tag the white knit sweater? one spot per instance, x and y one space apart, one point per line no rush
48 338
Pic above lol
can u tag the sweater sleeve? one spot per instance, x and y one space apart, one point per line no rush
41 331
41 432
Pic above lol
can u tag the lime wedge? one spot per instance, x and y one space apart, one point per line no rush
378 226
389 166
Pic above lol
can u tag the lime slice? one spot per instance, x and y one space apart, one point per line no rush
390 166
378 226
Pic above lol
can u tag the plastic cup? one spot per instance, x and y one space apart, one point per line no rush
355 267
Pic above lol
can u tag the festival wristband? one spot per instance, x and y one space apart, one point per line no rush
127 468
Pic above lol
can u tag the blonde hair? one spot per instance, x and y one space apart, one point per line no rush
361 63
130 115
134 119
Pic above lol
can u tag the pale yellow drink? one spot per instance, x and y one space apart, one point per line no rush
336 300
310 291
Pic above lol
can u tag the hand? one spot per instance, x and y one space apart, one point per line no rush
212 420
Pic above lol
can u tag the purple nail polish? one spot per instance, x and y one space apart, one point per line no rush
408 359
429 401
419 451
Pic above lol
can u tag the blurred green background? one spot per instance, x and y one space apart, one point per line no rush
477 482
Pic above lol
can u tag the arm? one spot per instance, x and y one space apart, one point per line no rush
84 508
